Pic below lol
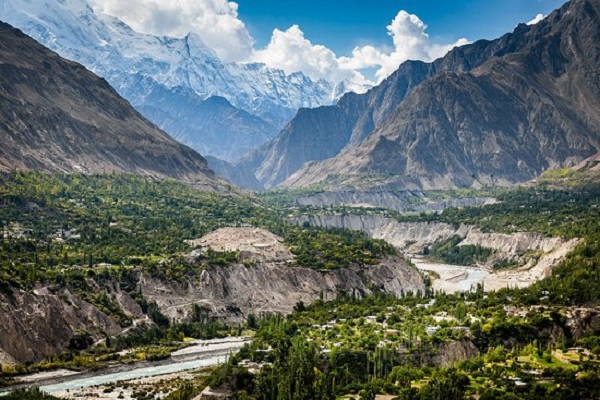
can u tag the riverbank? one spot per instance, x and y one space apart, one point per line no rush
202 353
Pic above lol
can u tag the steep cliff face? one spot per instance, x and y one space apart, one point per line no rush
235 291
267 279
457 351
290 150
38 323
57 116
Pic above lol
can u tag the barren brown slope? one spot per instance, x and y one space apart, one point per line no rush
321 133
57 116
533 106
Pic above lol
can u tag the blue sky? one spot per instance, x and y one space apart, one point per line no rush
342 25
358 42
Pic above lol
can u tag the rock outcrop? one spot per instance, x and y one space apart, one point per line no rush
234 291
212 394
589 164
38 323
456 351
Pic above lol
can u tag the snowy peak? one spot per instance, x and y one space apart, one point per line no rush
107 45
166 78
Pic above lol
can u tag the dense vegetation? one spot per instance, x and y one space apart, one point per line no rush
67 228
88 233
334 248
519 343
331 349
29 394
450 252
381 345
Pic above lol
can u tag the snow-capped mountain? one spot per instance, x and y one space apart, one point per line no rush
163 77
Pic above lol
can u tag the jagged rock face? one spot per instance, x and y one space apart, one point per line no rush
451 353
235 291
57 116
39 323
268 280
163 77
491 112
289 150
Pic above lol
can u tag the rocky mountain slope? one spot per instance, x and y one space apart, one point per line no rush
497 111
165 78
589 164
57 116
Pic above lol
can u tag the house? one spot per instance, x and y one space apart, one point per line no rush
430 330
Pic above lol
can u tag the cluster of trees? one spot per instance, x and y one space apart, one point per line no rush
89 233
335 248
450 252
55 222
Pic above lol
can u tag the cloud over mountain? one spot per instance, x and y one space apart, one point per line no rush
216 21
219 25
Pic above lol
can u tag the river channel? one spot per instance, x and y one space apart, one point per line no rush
453 278
202 353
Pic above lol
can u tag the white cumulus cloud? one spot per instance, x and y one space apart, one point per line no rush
411 42
215 21
536 19
291 51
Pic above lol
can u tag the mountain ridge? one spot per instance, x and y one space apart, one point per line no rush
59 117
385 140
